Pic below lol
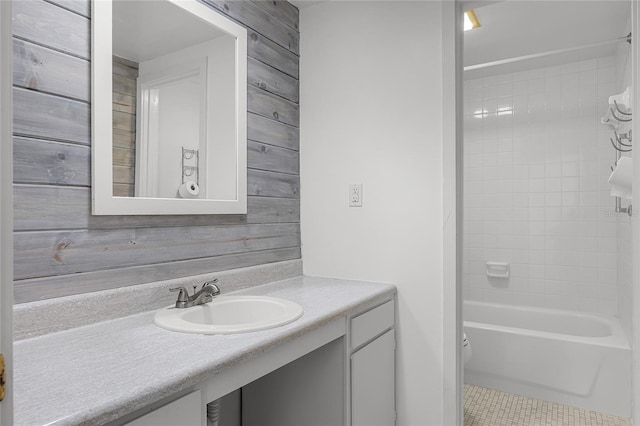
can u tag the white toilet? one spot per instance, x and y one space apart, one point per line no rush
466 348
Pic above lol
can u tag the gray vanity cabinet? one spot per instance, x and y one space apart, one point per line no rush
341 374
372 383
350 381
372 367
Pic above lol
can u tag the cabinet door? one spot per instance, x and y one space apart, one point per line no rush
373 383
186 411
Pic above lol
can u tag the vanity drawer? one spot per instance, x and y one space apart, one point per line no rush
372 323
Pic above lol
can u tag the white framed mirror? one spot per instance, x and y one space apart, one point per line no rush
169 109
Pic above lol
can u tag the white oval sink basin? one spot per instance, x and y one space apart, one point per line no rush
229 315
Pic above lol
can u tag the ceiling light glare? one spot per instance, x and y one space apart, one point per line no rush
505 111
470 20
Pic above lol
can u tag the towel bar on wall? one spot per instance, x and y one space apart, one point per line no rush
618 116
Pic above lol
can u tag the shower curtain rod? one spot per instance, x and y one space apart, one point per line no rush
626 38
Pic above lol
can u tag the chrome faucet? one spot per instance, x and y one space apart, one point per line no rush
206 294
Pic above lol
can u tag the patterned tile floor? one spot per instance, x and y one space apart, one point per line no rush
488 407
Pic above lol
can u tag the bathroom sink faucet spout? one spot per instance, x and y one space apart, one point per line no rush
205 295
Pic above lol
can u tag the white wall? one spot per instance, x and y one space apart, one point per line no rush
370 83
535 193
221 119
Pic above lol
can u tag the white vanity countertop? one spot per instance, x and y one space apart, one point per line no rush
98 373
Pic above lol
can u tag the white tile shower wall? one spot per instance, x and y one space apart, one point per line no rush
535 188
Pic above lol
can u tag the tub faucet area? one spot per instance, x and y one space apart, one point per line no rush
206 294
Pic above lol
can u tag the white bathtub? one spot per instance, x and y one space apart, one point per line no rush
566 357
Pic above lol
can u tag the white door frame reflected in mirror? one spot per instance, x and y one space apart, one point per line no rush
103 200
149 128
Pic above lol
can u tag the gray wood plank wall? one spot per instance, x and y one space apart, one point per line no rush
125 74
60 248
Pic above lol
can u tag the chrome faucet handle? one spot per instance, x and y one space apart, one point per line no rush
184 293
183 297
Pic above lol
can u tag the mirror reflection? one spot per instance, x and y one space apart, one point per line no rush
174 104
